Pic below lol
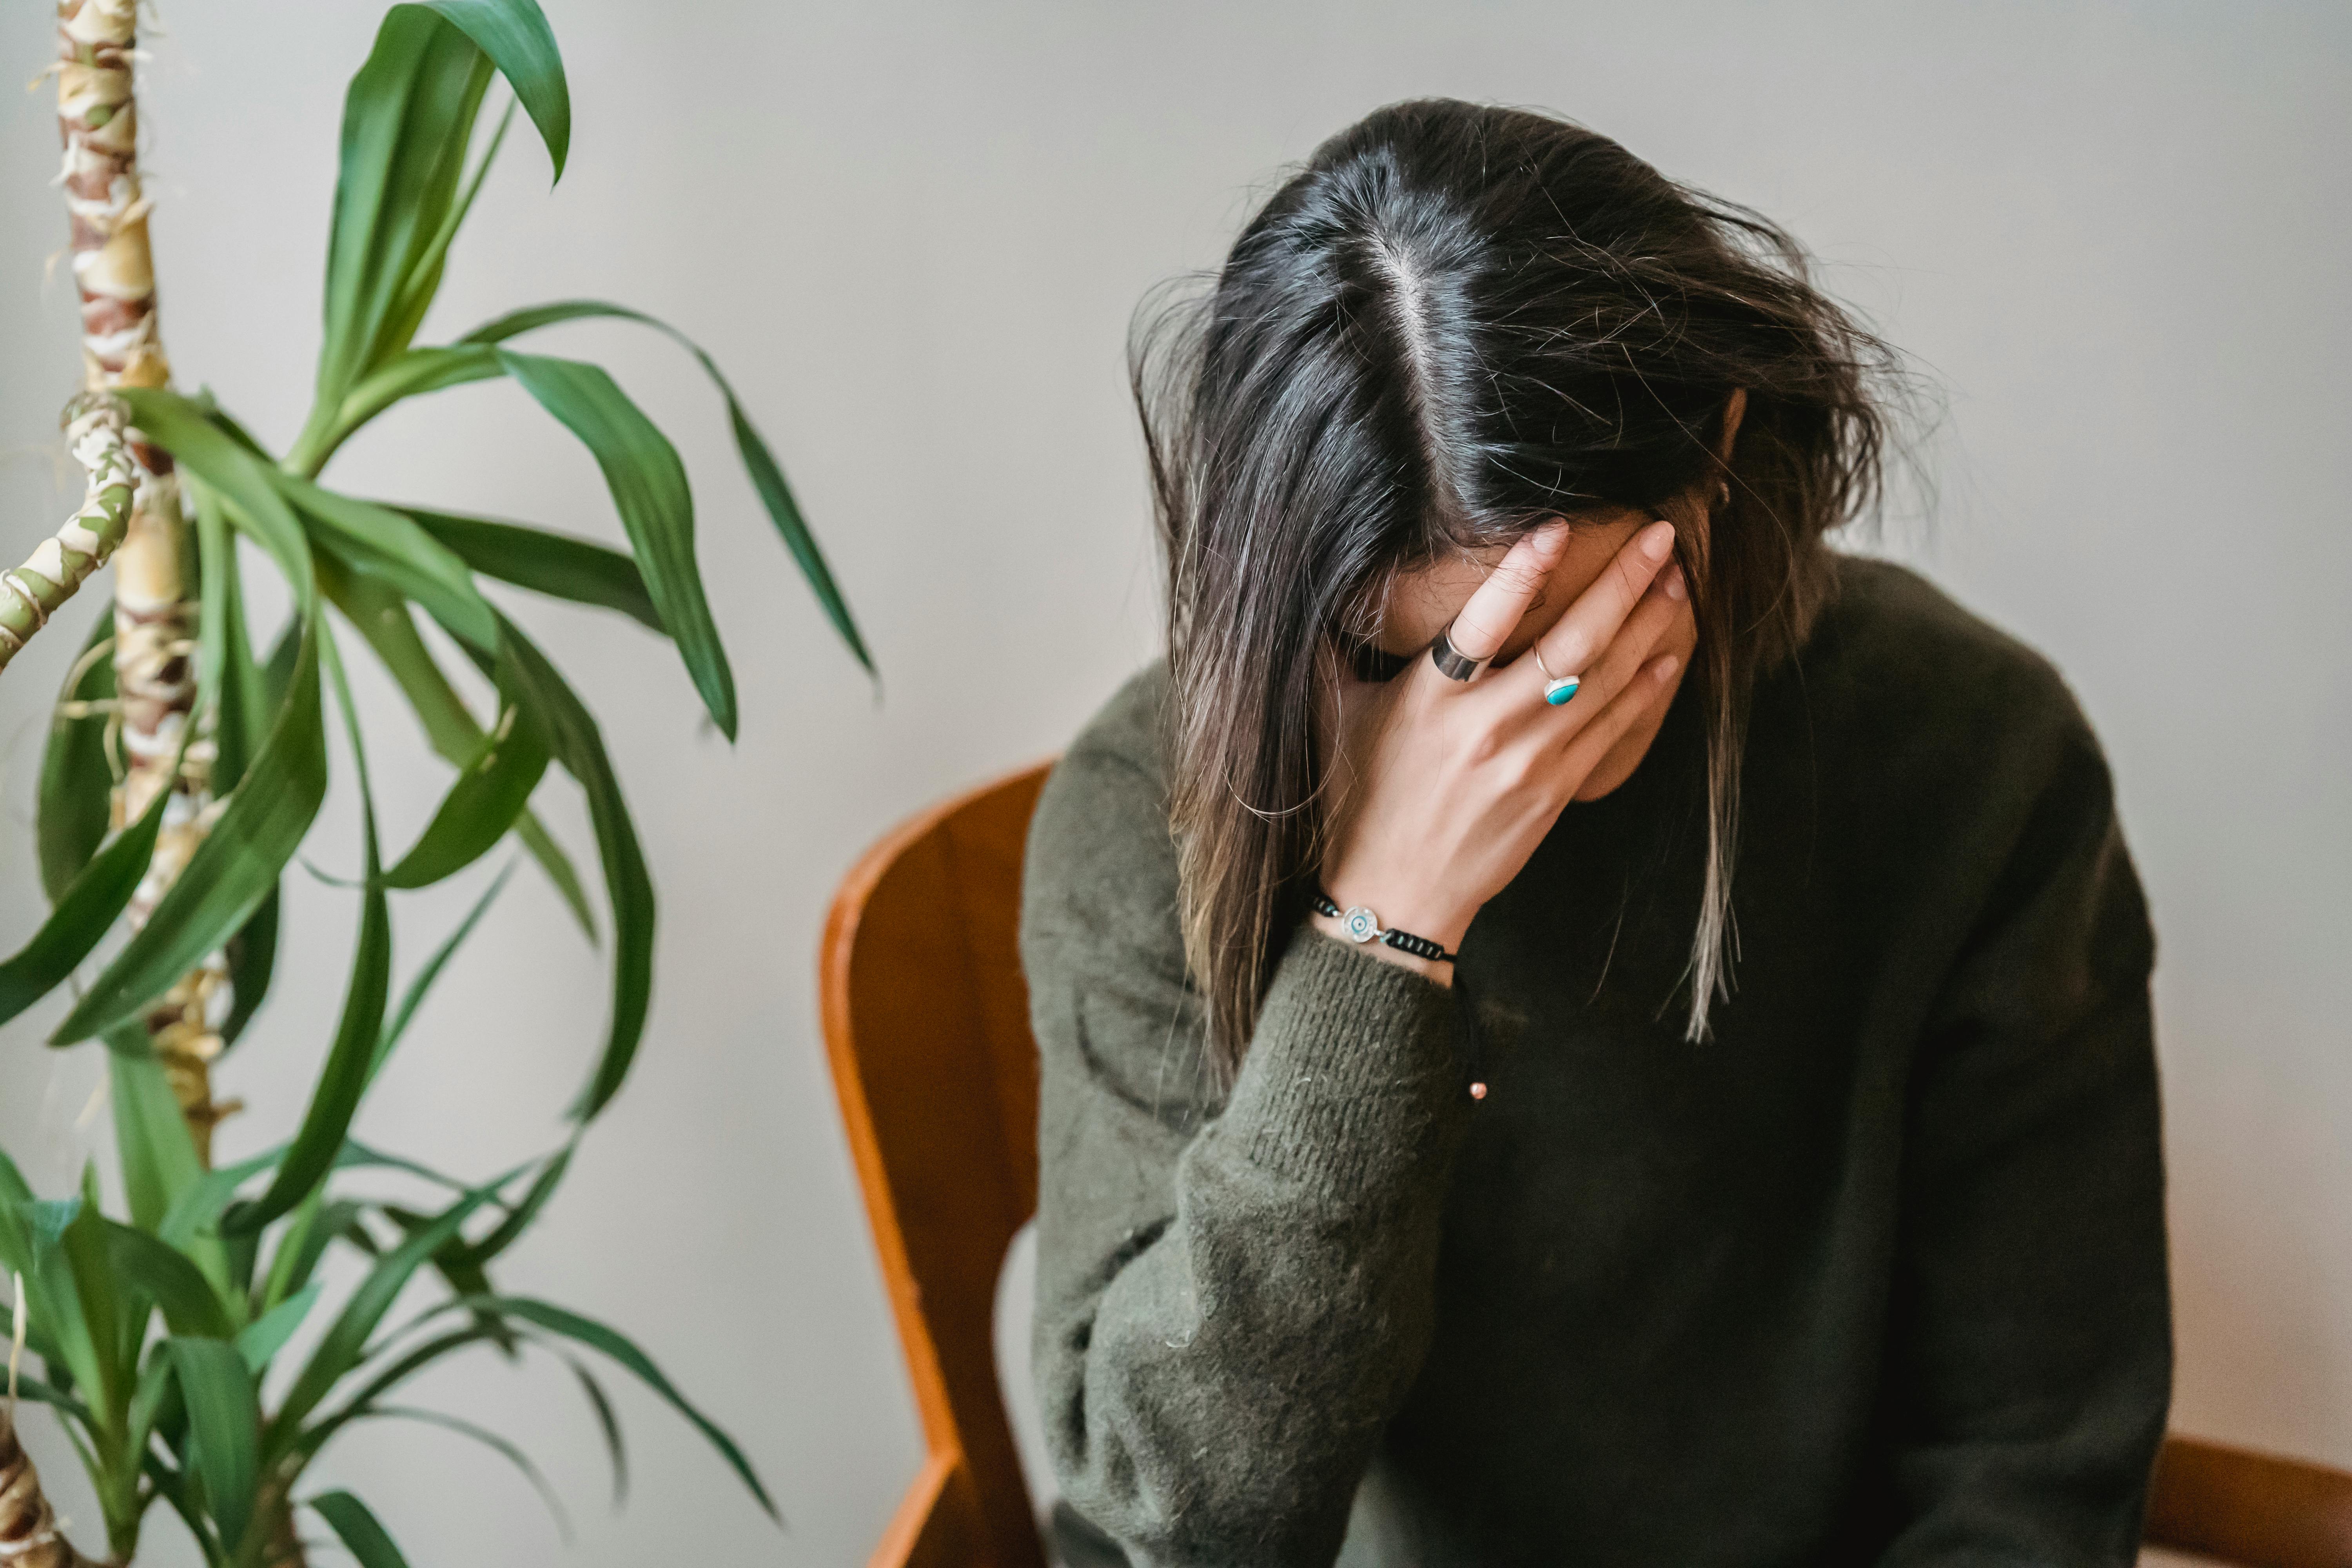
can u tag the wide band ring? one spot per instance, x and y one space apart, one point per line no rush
1452 663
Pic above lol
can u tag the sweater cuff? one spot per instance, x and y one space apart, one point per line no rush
1352 1076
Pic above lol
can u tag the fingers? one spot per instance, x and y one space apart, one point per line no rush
1646 688
1570 646
1638 638
1485 620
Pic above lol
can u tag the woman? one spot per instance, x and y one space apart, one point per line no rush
1745 1150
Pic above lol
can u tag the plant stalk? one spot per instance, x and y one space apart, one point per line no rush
29 1537
155 611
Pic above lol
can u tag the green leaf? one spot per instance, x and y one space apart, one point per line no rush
609 1343
656 506
344 1079
415 995
503 1448
759 464
70 1250
200 1207
345 1341
406 120
159 1159
575 742
231 872
491 794
260 1341
608 1421
304 1242
77 783
357 1529
515 34
411 373
245 482
554 564
190 1306
252 956
224 1429
383 617
83 915
484 1253
384 544
229 683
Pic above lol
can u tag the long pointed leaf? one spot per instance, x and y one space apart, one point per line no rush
618 1347
83 916
554 564
491 794
76 808
252 956
243 480
260 1341
383 618
224 1431
384 544
231 872
608 1421
412 998
159 1159
357 1529
189 1303
656 503
575 742
504 1447
407 118
345 1341
344 1079
759 463
411 373
229 681
515 34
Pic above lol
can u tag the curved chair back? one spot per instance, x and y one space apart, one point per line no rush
927 1022
2258 1510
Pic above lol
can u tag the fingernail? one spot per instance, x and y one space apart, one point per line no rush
1675 582
1667 666
1657 539
1552 538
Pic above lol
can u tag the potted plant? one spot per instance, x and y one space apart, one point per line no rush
184 768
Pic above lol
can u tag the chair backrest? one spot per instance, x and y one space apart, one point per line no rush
927 1023
2248 1508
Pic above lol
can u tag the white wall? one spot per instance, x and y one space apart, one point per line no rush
914 233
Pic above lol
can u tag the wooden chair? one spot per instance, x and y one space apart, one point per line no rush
927 1023
2241 1507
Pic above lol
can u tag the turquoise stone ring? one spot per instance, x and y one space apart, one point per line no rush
1559 692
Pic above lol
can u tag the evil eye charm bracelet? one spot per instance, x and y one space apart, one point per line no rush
1359 924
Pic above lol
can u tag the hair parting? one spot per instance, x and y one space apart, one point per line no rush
1452 323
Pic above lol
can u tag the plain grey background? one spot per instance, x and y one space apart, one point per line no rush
2113 235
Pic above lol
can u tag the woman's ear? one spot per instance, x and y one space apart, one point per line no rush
1734 411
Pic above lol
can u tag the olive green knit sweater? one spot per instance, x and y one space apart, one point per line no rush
1875 1275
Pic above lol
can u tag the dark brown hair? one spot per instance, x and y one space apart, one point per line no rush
1454 323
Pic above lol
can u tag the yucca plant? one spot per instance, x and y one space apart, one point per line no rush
184 770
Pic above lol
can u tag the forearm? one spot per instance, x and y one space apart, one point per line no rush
1215 1395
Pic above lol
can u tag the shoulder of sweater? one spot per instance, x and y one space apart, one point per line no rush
1101 862
1925 678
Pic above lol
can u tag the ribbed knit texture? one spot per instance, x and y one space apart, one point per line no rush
1875 1275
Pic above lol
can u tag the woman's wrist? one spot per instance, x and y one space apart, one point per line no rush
1424 943
1442 973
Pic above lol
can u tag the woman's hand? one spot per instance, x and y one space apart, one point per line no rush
1445 787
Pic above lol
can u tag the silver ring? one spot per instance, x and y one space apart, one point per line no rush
1451 661
1558 688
